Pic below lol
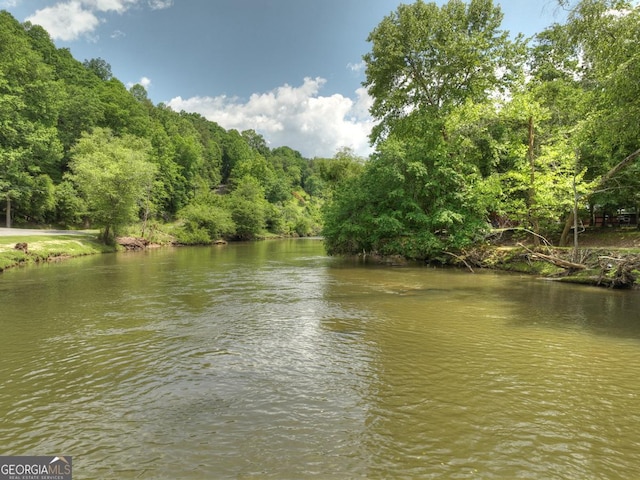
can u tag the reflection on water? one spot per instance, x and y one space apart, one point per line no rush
272 360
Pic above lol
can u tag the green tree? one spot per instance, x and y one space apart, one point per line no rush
606 34
256 142
418 196
29 145
248 208
206 219
68 205
235 149
427 59
100 68
113 175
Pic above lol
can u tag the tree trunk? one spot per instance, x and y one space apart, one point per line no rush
8 217
533 217
105 237
575 216
564 238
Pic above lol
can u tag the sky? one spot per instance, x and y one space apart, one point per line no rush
291 70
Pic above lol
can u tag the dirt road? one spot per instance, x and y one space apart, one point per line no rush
19 232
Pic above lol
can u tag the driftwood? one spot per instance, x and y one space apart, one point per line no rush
559 262
500 231
618 272
458 257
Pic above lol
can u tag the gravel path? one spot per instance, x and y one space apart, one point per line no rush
15 232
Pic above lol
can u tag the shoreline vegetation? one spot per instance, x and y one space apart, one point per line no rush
20 249
606 257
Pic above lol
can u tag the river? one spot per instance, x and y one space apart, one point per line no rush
271 360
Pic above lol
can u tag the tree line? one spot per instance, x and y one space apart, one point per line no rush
479 129
476 129
77 148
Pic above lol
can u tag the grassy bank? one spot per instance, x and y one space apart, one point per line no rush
43 248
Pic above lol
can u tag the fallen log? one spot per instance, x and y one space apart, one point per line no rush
559 262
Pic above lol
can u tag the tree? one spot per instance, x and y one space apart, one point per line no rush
256 142
235 149
418 196
114 175
584 73
206 218
100 68
426 58
607 33
29 145
247 205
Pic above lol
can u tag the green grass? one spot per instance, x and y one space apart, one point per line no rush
42 248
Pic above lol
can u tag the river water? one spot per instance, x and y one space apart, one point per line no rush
271 360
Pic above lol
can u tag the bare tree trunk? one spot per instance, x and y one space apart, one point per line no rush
533 217
8 217
575 215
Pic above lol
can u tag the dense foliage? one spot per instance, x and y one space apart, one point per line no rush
77 148
477 128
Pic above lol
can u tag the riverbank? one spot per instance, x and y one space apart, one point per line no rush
605 258
26 246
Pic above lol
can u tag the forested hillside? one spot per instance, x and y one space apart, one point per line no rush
481 129
77 148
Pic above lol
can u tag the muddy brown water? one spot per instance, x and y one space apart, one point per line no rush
271 360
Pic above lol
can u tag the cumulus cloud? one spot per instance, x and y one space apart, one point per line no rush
297 117
144 81
71 19
65 21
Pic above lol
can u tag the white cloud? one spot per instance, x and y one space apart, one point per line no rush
71 19
65 21
293 116
356 67
9 3
160 4
144 81
119 6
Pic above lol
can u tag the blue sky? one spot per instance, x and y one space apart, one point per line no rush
290 69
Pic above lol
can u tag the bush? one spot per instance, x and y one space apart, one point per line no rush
249 219
189 236
212 220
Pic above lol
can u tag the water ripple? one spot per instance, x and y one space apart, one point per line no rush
222 365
